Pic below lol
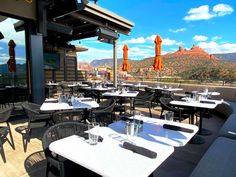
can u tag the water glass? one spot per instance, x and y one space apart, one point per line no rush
169 116
93 132
131 129
137 114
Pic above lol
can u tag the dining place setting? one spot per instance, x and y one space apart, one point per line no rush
147 140
66 102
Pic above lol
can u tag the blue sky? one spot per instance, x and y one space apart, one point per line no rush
207 23
9 33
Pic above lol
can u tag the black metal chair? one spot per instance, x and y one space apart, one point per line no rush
103 115
144 99
180 113
68 115
34 116
5 113
55 163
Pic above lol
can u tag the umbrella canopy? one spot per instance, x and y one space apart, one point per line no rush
125 65
12 61
158 65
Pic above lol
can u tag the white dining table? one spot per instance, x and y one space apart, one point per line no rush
140 85
99 88
201 106
153 131
108 158
127 94
209 93
82 103
169 89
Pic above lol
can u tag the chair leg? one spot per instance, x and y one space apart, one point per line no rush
62 169
11 137
26 139
47 169
150 112
2 152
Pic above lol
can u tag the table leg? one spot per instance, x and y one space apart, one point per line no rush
195 139
203 131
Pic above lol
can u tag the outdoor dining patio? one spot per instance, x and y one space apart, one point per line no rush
29 159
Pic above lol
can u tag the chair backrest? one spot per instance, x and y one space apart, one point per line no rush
68 115
5 113
144 96
165 103
105 103
59 131
32 111
108 109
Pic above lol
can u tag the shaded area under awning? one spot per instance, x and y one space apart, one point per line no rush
81 19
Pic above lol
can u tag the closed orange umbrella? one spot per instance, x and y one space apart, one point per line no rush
125 65
12 61
158 65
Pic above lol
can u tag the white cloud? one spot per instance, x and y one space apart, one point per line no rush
94 53
138 40
9 32
214 47
222 9
199 13
200 38
204 13
215 38
168 41
134 53
177 30
151 38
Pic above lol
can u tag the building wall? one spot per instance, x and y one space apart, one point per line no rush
19 8
71 71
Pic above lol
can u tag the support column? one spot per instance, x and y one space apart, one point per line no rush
37 68
65 65
115 63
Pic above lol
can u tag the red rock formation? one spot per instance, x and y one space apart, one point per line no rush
195 52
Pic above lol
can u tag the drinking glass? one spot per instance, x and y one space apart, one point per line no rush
137 114
131 130
169 117
93 132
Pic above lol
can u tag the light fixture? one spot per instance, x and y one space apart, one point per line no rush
1 35
106 35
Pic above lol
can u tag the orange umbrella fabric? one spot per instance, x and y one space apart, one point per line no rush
158 65
12 61
125 65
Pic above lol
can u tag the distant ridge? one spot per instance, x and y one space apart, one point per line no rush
229 57
104 62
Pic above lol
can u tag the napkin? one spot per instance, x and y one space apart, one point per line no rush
140 150
85 99
51 100
208 102
86 136
177 128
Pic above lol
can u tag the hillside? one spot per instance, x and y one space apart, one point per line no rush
188 64
230 57
104 62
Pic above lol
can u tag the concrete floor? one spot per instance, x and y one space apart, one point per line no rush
33 163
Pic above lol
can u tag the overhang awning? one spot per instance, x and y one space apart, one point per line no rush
85 17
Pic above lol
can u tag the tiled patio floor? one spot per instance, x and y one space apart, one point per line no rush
32 163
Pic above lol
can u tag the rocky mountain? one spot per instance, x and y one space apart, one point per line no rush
194 63
194 53
104 62
230 57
